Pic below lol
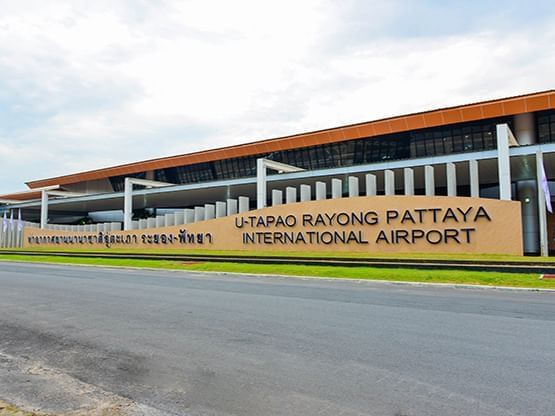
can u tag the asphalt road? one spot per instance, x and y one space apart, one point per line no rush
191 344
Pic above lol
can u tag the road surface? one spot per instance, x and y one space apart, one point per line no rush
179 343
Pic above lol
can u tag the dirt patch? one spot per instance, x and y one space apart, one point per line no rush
39 390
7 409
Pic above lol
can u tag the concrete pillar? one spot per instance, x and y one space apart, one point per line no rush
389 179
199 214
474 176
353 187
169 220
127 204
43 209
503 162
371 184
243 204
525 128
220 209
429 180
290 195
321 192
209 211
451 172
179 217
336 188
261 196
528 196
231 206
542 209
277 197
151 222
188 216
409 181
305 193
160 221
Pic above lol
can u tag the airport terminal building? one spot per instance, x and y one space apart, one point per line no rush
498 150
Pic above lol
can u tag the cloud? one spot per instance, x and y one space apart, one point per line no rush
85 85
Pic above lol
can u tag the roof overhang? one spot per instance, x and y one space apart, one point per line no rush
466 113
27 195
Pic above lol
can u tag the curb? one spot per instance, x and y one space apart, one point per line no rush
327 278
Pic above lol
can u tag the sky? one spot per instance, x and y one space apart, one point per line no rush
89 84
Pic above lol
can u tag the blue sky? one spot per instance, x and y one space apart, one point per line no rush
91 84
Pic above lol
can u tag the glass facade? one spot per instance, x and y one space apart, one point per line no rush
454 138
545 126
118 182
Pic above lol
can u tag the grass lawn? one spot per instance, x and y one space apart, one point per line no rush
331 254
369 273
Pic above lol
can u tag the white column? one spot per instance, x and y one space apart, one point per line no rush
409 181
43 209
542 210
371 185
231 206
169 220
277 197
209 211
305 193
10 234
474 176
127 204
244 204
336 188
160 221
503 162
451 172
199 214
321 192
290 195
179 217
188 216
220 209
389 179
353 187
261 196
429 180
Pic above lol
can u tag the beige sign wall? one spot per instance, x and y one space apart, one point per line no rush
361 224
